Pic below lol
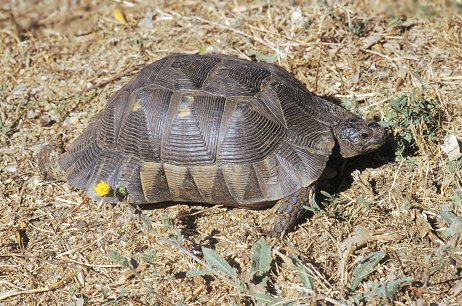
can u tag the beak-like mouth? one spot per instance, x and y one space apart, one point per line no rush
376 141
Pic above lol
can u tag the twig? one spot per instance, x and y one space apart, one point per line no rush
394 180
82 247
112 79
318 67
40 290
98 85
200 211
225 27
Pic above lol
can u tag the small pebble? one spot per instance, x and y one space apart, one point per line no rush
11 168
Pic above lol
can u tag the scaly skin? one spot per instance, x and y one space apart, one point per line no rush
286 212
47 160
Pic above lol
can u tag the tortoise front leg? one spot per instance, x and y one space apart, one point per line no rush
286 212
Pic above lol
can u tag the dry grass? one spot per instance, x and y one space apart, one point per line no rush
60 63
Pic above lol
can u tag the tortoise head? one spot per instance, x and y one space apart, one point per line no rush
358 136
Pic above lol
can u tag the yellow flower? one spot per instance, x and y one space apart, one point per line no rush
102 189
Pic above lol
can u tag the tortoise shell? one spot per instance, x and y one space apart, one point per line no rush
206 128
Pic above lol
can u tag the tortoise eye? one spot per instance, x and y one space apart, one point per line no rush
350 134
364 135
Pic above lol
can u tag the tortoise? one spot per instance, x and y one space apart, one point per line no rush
214 129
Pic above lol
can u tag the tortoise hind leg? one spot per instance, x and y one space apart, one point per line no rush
286 212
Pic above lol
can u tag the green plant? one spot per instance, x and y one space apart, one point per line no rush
415 121
358 28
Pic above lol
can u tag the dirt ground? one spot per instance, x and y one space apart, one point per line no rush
386 230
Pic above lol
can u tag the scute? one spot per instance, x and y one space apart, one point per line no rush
191 139
237 79
213 129
250 135
196 69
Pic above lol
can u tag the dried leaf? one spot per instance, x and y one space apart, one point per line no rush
361 235
452 147
21 235
371 40
398 83
119 15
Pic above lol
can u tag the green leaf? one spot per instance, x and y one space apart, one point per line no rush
408 137
458 198
366 266
104 292
121 193
261 257
266 299
455 223
72 291
4 129
364 202
218 262
146 222
149 257
181 302
118 259
266 58
262 57
302 272
386 291
348 103
166 220
385 124
314 206
300 269
202 50
193 273
454 166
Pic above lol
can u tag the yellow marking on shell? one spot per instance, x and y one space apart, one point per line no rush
237 178
136 106
175 178
268 168
184 109
184 112
267 174
148 173
204 177
102 189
